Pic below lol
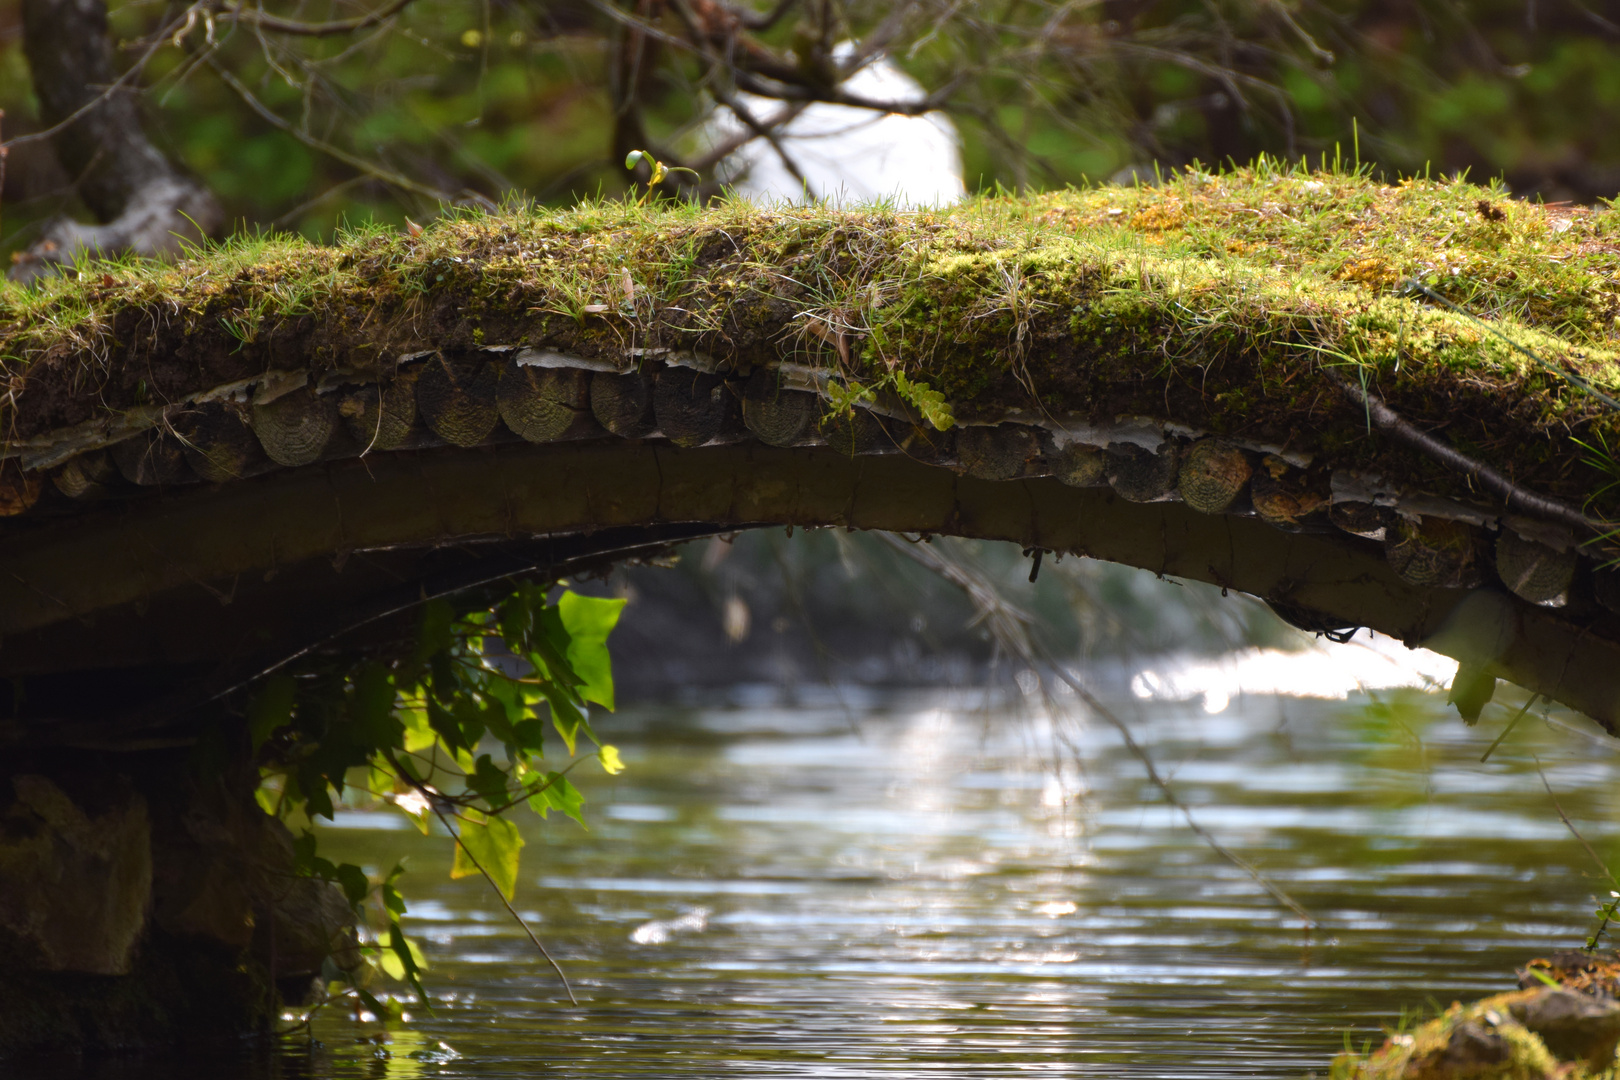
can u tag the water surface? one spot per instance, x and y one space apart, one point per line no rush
937 886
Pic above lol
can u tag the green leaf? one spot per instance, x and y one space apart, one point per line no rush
516 622
433 633
469 715
634 158
528 734
372 707
589 620
926 400
1471 690
393 900
445 725
268 799
611 764
494 844
307 862
272 709
316 798
442 667
551 644
354 883
509 696
565 715
389 961
558 794
401 959
419 733
489 780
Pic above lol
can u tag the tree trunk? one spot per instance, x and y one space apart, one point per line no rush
145 205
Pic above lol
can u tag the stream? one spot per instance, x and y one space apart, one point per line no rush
949 884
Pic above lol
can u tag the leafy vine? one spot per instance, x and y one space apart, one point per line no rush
452 731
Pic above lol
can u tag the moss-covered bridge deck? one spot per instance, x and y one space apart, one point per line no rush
1257 380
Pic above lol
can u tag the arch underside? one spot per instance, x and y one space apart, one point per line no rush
221 581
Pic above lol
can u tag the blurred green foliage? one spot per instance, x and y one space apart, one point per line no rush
830 605
476 103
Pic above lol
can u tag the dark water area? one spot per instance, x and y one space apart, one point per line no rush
938 886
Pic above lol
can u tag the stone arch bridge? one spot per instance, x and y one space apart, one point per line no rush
272 447
267 516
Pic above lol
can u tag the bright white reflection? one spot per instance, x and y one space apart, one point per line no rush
1370 662
847 154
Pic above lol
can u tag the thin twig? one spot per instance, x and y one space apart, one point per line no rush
112 88
1570 825
433 802
274 23
1008 626
387 176
1511 724
1548 365
732 143
717 68
1170 797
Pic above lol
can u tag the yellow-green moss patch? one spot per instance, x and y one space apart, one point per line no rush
1212 301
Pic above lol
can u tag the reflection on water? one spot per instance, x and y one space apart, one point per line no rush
1367 662
917 890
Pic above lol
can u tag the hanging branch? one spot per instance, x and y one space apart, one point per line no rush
433 801
1010 628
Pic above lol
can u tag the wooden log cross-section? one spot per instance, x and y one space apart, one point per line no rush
529 393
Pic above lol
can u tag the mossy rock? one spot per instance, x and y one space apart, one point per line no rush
1532 570
1434 551
1138 474
1214 473
1538 1034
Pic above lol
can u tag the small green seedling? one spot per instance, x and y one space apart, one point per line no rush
659 170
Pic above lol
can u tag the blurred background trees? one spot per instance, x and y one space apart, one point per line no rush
301 114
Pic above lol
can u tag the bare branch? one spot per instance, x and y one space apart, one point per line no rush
433 801
833 96
1533 503
1010 628
147 206
769 134
274 23
107 91
717 69
387 176
728 146
754 20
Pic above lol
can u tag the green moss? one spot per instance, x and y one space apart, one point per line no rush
1419 1054
1215 301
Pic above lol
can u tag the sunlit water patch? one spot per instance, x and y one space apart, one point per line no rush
1367 662
931 889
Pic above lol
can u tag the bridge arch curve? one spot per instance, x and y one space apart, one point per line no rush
273 447
238 574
